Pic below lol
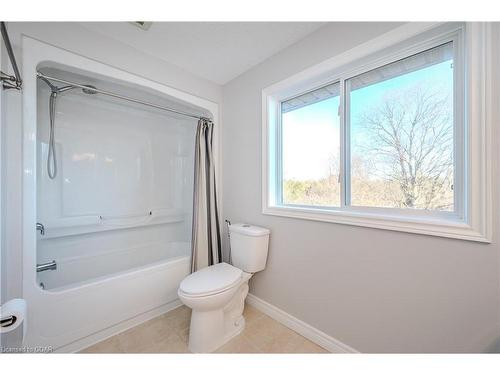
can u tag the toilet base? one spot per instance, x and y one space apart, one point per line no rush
235 330
207 341
210 330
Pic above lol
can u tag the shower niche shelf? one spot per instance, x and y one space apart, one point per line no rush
98 223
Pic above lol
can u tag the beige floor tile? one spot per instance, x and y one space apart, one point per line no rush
110 345
184 334
307 346
172 344
143 336
251 313
283 343
239 344
169 333
179 319
272 337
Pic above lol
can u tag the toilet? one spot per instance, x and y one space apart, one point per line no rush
216 294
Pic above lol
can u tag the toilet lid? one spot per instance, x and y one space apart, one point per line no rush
211 280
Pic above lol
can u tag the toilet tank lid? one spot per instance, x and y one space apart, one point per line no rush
249 230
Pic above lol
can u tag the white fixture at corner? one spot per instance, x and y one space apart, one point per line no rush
217 293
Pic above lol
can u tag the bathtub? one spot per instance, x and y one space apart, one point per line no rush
75 272
73 316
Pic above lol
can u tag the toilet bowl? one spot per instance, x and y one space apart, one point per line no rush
216 311
216 294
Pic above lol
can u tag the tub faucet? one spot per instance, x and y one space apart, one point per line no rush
41 228
46 266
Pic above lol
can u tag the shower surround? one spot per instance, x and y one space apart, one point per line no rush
117 216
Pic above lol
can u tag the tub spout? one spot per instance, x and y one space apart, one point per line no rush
46 266
41 228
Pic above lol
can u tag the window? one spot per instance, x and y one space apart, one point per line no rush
381 144
401 127
399 138
311 148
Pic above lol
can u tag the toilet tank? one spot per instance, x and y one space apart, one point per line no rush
249 245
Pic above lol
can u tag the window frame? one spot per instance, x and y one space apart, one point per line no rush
471 217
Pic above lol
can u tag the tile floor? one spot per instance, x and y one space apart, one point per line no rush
169 333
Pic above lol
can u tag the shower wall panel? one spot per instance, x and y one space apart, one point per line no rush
121 167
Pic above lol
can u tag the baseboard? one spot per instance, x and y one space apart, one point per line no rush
87 341
315 335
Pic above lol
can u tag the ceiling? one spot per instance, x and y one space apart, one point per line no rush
217 51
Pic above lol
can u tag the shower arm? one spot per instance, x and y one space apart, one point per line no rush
46 78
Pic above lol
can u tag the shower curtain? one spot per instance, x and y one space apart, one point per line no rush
206 242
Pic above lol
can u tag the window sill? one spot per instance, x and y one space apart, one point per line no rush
450 227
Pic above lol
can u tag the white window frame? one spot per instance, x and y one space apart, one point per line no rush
472 217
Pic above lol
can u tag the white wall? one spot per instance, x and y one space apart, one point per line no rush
77 39
375 290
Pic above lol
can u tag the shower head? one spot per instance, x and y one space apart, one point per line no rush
60 90
55 91
89 90
52 87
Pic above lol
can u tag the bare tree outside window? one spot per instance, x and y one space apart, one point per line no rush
408 150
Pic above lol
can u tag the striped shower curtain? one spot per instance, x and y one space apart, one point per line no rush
206 240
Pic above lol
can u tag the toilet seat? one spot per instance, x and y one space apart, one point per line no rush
211 280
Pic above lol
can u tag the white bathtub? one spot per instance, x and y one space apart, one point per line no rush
66 317
77 271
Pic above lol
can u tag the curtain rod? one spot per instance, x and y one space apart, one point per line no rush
8 81
114 95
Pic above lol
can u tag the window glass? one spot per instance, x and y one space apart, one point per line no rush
310 126
400 121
